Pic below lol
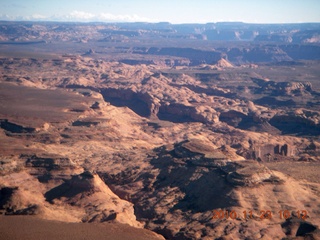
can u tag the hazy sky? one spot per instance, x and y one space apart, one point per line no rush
174 11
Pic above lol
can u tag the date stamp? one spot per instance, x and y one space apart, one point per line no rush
261 214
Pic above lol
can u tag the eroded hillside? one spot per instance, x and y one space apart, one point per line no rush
190 148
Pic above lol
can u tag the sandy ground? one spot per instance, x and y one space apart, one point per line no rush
31 228
299 170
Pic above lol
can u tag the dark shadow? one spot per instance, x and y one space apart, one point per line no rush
210 191
277 149
295 126
284 150
136 105
208 77
62 190
70 188
126 98
5 195
164 116
233 118
305 228
45 178
273 102
168 113
84 124
156 126
14 128
47 163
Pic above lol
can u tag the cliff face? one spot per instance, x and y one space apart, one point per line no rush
238 55
195 56
141 103
267 53
307 52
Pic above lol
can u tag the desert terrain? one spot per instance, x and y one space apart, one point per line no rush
159 131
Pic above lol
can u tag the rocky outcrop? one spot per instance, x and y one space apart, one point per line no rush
87 191
239 173
200 153
270 152
249 173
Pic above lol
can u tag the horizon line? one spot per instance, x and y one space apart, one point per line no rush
159 22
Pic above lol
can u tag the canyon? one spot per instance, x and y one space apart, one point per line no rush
191 131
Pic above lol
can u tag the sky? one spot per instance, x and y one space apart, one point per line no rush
173 11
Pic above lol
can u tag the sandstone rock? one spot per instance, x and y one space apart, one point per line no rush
223 63
87 191
248 173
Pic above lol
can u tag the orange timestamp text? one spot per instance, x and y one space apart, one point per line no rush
262 214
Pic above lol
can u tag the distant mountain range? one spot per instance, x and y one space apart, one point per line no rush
221 31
